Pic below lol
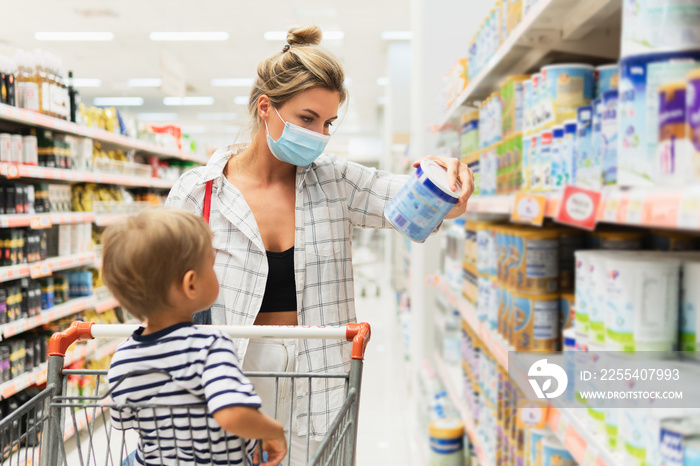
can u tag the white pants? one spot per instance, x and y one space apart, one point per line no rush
278 355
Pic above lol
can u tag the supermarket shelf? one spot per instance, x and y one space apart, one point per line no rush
669 208
103 220
57 312
39 221
541 38
451 382
44 268
30 118
582 443
14 171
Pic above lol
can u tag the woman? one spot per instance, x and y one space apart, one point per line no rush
282 213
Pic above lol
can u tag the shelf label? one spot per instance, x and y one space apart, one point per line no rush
612 206
529 209
12 172
635 207
431 280
689 210
39 222
579 207
42 269
532 414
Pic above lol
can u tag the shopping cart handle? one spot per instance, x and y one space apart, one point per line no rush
60 342
359 334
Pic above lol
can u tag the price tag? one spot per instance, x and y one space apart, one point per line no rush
40 222
9 390
579 207
41 269
431 280
635 207
612 206
689 211
12 172
532 414
528 209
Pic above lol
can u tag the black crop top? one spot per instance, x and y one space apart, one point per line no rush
280 289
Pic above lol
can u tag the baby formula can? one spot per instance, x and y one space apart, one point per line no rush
566 307
690 303
474 164
536 322
5 147
612 423
516 246
557 175
516 173
537 99
469 133
673 151
675 432
512 95
543 173
538 272
554 453
423 202
583 293
607 78
566 87
493 302
446 442
527 105
568 152
569 347
608 133
592 174
596 409
470 286
640 79
16 151
529 147
655 25
596 313
584 146
691 451
483 303
535 444
693 118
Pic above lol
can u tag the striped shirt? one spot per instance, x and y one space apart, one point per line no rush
333 196
180 365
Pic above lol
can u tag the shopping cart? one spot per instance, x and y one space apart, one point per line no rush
37 433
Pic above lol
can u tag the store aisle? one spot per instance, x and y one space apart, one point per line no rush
384 427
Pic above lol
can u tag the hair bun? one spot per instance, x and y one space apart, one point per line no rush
310 35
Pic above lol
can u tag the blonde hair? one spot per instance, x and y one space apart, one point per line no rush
144 255
300 66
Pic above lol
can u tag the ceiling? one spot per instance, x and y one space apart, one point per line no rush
133 55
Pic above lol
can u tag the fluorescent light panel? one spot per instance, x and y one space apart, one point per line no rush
383 81
74 36
189 36
241 100
333 35
199 100
275 35
87 82
144 82
397 35
217 116
117 101
232 82
157 116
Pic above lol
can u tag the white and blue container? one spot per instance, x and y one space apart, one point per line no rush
423 202
638 116
583 155
565 88
557 177
569 152
446 442
608 136
554 453
659 25
607 78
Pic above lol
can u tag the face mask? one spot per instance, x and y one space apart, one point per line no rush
297 145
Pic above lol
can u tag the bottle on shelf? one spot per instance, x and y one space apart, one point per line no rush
73 98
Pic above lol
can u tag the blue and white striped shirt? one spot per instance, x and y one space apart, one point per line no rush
179 366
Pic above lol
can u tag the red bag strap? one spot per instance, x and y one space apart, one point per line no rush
207 200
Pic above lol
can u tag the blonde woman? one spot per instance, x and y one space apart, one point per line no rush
282 213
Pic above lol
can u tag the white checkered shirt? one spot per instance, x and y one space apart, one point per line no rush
332 197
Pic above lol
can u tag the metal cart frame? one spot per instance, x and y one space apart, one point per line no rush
34 433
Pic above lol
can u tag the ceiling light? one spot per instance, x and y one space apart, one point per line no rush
117 101
144 82
74 36
275 35
87 82
232 82
199 100
383 81
185 36
333 35
397 35
241 100
157 116
217 116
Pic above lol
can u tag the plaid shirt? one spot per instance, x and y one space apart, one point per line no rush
332 197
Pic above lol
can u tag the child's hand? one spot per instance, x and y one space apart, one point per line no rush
276 448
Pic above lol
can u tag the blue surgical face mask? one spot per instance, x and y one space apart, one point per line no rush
298 146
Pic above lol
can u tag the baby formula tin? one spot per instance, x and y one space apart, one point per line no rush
690 303
557 175
446 442
537 99
469 133
554 453
566 87
583 293
542 169
568 152
512 95
527 104
659 25
537 272
640 79
592 174
674 150
607 78
470 286
566 307
596 283
423 202
608 137
536 322
535 445
516 172
692 112
691 451
583 144
529 149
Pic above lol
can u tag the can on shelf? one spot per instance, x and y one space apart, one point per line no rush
537 271
446 442
536 322
607 78
693 119
566 87
673 152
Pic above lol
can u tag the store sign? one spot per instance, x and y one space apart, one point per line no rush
579 207
528 209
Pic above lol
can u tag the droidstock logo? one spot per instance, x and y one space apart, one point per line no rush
543 370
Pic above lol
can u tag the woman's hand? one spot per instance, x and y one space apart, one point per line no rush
456 171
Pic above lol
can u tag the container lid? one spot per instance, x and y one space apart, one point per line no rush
460 221
568 65
569 123
446 428
436 180
607 67
693 74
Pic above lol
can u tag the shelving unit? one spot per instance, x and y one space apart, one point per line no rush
46 267
591 30
33 119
